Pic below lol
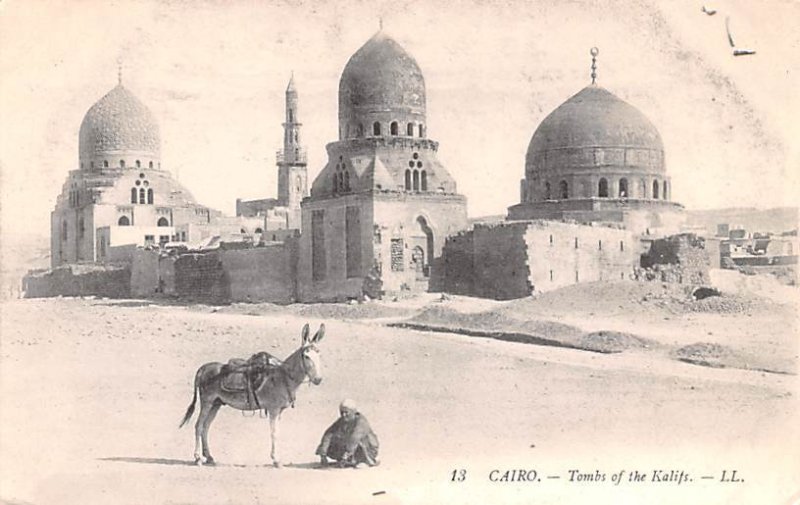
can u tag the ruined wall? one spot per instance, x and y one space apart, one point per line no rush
458 265
79 280
144 273
263 274
678 258
500 259
200 276
513 259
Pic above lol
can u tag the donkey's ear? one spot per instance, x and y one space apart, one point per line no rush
305 332
320 333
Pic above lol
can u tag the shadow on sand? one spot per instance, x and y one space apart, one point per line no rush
151 461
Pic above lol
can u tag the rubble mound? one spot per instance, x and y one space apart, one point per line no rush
711 355
614 341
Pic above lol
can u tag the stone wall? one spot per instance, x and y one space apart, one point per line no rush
79 280
679 258
514 259
200 276
261 274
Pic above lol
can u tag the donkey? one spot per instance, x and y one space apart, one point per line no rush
275 394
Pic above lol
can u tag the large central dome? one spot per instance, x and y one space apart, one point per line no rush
381 83
120 126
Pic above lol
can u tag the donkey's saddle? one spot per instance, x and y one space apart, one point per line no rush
247 375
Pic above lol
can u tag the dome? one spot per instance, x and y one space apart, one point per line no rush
381 82
595 118
119 124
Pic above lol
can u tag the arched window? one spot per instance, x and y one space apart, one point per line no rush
150 195
91 165
138 164
347 181
133 195
416 180
393 128
664 194
360 130
602 188
623 188
124 221
64 230
105 163
424 181
121 163
162 221
408 179
142 196
81 227
410 129
151 164
546 190
259 230
421 131
376 128
655 190
563 190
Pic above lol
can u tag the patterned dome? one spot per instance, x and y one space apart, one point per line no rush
119 124
594 118
381 77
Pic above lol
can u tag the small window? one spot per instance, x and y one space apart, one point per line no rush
121 163
410 129
162 221
133 194
576 242
599 245
64 230
655 190
259 230
105 163
546 190
416 180
563 190
551 276
376 128
138 164
551 240
124 221
408 177
151 164
424 182
142 196
360 130
150 195
393 128
602 188
91 165
577 278
623 188
421 131
621 245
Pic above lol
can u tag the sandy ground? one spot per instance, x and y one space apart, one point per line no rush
93 390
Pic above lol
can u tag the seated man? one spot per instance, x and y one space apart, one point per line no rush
349 440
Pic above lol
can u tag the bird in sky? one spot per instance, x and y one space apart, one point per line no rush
736 50
710 12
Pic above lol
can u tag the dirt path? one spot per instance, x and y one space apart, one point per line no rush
92 392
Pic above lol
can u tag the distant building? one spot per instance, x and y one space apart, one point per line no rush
120 194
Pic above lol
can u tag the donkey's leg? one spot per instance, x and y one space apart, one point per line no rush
200 428
212 413
274 421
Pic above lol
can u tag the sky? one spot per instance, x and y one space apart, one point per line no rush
214 73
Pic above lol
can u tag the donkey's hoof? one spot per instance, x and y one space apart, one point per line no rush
210 461
198 460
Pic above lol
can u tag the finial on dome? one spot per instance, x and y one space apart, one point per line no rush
119 71
290 87
594 52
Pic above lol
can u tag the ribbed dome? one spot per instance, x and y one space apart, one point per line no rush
381 77
119 123
594 118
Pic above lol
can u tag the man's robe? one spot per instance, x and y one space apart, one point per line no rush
350 442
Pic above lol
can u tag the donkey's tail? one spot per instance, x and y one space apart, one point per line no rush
190 410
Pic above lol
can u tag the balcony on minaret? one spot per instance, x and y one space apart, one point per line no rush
296 156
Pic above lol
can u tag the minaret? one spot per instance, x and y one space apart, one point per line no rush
292 173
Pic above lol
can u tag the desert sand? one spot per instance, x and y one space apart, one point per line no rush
93 391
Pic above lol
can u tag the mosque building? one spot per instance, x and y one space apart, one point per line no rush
120 194
380 209
596 158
